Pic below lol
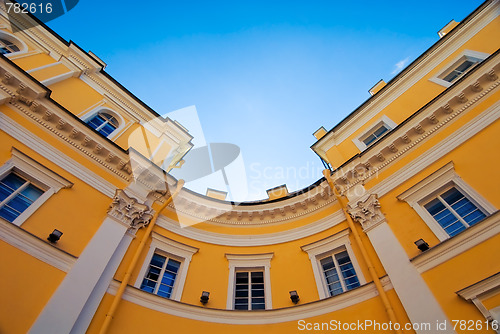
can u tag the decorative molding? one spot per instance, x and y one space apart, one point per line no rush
458 244
32 245
127 210
367 213
47 151
254 239
294 313
480 288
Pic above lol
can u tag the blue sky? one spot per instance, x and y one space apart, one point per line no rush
263 75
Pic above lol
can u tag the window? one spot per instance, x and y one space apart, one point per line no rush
374 133
339 273
24 186
161 275
7 46
249 286
16 195
249 291
334 266
458 67
446 203
165 270
453 211
103 123
372 137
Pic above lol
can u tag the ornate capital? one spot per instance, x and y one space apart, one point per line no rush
367 213
129 211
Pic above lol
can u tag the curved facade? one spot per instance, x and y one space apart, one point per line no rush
399 236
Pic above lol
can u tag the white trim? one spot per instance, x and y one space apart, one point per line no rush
18 132
58 78
256 239
329 246
258 317
436 183
480 56
176 250
101 109
39 249
44 67
37 174
458 244
249 261
384 120
23 48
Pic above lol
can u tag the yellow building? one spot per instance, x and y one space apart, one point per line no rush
400 235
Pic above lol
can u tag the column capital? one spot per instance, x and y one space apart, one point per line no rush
128 211
367 212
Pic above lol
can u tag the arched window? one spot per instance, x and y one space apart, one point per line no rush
7 46
103 123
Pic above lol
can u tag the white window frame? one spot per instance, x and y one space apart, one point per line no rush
435 184
452 65
121 121
23 48
38 175
328 247
384 120
249 262
171 249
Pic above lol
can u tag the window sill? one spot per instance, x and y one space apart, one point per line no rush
454 246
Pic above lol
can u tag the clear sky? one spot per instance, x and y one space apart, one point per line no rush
263 75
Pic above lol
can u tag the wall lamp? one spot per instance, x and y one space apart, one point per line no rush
55 236
294 296
422 245
205 296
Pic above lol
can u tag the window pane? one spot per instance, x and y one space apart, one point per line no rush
241 278
32 192
173 266
158 260
8 213
346 268
380 131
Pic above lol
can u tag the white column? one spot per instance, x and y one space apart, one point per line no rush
418 301
66 304
85 282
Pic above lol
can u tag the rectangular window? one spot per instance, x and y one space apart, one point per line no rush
249 291
161 275
16 195
458 67
453 211
376 134
339 273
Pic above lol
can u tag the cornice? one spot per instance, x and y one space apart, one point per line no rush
203 209
273 316
420 126
253 239
412 74
30 99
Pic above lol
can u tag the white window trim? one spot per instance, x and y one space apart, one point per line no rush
445 177
172 249
249 262
121 121
322 248
384 120
454 63
37 174
23 48
480 291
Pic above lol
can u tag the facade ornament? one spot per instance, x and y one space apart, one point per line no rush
129 211
367 213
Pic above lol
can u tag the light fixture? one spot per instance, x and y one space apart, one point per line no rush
294 296
204 297
422 245
55 236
